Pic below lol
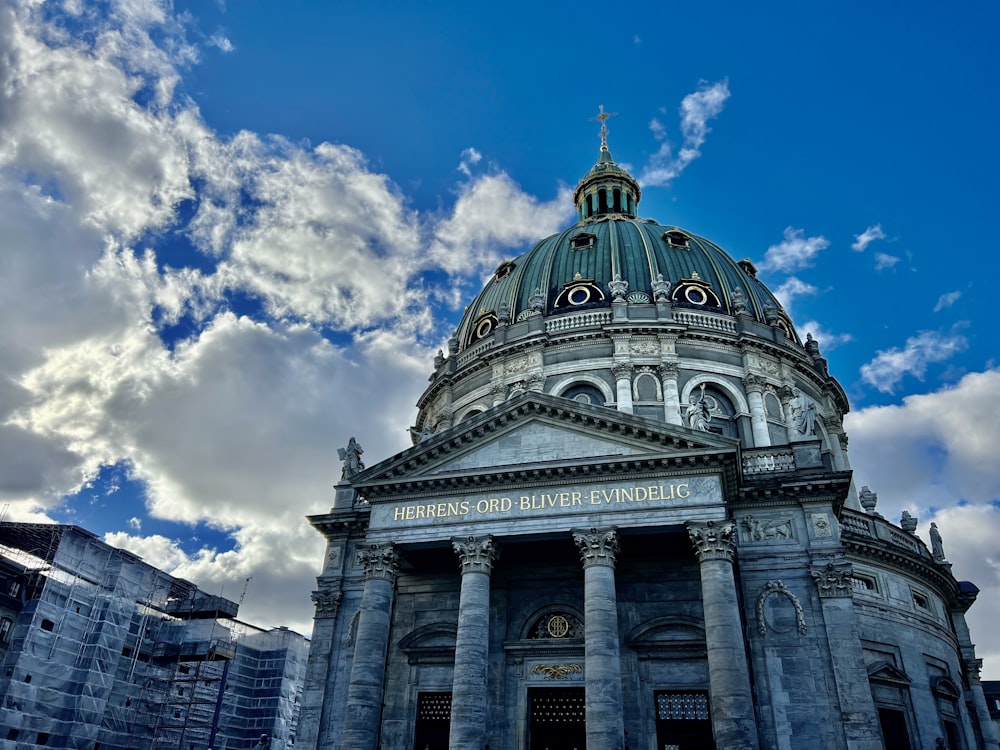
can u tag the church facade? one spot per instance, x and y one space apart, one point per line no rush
628 521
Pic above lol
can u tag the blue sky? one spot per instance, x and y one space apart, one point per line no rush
232 235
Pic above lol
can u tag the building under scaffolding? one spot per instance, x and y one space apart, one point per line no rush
107 652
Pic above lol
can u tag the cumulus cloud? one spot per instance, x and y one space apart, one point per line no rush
863 240
947 300
696 110
891 365
231 420
791 288
935 455
470 157
493 214
794 252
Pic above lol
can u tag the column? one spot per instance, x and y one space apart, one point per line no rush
671 393
311 717
859 716
367 687
972 669
732 709
469 699
623 380
754 385
605 723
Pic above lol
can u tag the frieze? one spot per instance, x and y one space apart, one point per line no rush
778 587
757 530
556 671
645 348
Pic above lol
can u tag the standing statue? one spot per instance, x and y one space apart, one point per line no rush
937 548
698 413
351 456
804 413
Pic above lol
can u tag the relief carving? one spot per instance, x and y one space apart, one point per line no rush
755 530
778 587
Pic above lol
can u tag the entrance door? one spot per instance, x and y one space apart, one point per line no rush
557 718
683 722
433 721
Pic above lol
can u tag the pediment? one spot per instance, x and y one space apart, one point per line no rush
886 672
538 430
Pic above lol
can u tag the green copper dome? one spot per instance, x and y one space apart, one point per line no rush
612 254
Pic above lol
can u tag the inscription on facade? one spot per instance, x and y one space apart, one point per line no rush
570 500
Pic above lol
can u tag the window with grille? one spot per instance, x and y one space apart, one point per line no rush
682 706
434 707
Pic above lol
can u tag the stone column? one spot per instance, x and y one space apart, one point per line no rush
605 723
469 699
754 385
671 393
367 687
859 716
498 392
623 380
732 709
972 669
314 688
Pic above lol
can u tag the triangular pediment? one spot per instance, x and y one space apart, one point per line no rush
886 672
537 431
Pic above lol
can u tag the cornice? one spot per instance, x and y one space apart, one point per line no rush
342 523
865 549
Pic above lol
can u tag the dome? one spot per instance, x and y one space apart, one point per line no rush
645 318
610 245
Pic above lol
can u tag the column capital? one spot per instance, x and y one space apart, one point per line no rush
713 540
379 560
597 546
972 669
476 554
327 602
786 392
833 578
669 370
621 370
754 383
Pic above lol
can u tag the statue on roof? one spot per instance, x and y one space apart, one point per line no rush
351 456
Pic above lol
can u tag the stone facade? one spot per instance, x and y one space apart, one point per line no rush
629 521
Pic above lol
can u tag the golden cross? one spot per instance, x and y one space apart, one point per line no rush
603 117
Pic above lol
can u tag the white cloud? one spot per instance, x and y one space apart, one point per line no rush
470 157
891 365
947 300
884 260
935 455
222 42
828 340
794 252
492 214
863 240
791 288
696 110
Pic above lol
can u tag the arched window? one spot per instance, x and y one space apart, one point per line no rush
585 394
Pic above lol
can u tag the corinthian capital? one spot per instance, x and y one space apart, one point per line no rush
327 602
669 370
833 578
379 560
476 554
754 383
713 540
597 546
621 370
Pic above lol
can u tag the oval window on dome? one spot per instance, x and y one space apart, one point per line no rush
579 292
483 326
